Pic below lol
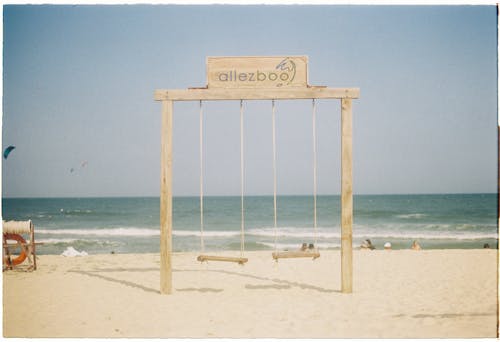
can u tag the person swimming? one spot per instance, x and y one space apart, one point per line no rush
306 247
415 246
367 244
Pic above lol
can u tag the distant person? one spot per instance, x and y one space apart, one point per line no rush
486 245
387 246
304 247
415 246
367 244
311 246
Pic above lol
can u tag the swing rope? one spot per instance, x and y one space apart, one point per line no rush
204 257
202 243
314 172
314 254
242 241
274 178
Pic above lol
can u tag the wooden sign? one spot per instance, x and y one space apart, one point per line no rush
257 72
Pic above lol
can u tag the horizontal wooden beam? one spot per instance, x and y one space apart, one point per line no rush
197 94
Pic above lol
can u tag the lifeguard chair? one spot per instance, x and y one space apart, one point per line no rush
15 248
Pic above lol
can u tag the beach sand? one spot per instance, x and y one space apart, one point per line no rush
396 294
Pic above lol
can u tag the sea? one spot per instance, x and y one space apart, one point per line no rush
132 225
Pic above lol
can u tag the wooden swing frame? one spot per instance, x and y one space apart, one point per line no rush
168 96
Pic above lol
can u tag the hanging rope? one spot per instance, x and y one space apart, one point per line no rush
241 260
274 178
202 243
314 171
242 242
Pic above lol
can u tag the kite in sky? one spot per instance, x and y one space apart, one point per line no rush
82 165
7 151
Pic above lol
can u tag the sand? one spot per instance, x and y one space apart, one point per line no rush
396 294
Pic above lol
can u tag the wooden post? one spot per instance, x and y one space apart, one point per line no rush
32 243
166 199
346 200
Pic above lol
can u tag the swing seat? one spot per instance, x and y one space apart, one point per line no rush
296 254
204 257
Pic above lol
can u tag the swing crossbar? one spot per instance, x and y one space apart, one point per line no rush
296 254
204 257
205 94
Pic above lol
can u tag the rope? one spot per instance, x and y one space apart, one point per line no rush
242 242
202 243
274 178
314 171
17 227
242 239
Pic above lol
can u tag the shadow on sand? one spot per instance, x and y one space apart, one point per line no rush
278 284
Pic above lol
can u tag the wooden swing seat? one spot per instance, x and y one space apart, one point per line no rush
204 257
296 254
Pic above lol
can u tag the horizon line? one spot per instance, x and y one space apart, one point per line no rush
255 195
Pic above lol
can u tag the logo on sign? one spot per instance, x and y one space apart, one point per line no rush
282 75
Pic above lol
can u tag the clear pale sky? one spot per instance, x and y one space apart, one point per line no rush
78 84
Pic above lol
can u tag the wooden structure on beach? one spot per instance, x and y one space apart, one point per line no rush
15 248
256 78
296 254
237 260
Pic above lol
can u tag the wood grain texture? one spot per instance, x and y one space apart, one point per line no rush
204 257
346 196
205 94
296 254
257 72
166 200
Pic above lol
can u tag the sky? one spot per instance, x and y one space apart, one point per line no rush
78 85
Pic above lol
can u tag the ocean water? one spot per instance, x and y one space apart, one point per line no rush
131 225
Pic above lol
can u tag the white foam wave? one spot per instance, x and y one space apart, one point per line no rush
71 252
206 233
134 232
427 235
290 246
54 241
363 233
412 216
325 233
102 232
305 233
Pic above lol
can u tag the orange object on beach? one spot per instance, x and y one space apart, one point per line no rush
20 241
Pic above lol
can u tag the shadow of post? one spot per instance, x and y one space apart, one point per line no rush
279 284
118 281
